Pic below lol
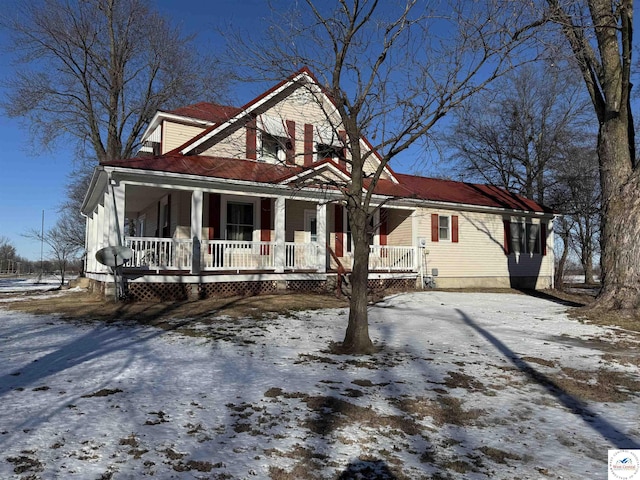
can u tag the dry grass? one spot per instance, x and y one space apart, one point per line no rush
86 306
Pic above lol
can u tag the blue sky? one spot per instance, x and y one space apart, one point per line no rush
32 180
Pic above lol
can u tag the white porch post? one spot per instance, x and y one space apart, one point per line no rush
279 227
321 230
88 241
102 232
114 207
196 230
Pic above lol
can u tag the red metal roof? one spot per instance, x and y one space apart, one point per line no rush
215 167
450 191
408 186
210 112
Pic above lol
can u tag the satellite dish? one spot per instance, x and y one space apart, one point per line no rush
114 256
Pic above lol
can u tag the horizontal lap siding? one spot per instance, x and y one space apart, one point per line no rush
233 146
479 252
176 134
399 228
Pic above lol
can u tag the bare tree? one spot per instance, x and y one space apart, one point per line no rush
599 33
7 253
60 248
95 71
576 194
514 135
392 71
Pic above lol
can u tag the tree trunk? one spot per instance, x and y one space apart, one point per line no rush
621 225
559 276
356 339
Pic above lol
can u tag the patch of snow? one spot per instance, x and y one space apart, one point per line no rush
243 396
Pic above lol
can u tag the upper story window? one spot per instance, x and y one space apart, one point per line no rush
325 151
273 148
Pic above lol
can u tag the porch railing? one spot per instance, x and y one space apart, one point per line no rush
159 253
301 256
237 255
220 255
390 258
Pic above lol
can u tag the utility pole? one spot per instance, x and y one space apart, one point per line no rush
42 246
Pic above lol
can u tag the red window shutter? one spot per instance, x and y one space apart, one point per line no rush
339 219
265 224
454 228
434 227
543 237
507 237
383 226
308 144
214 216
291 142
343 138
265 220
252 148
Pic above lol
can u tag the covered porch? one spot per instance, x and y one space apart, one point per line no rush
213 233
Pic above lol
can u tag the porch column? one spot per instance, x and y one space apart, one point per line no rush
196 230
88 240
321 231
279 227
102 232
116 218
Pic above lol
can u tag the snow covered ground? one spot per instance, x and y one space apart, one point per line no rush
468 385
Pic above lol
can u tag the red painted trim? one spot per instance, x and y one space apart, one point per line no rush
308 144
454 228
252 139
339 220
265 224
434 227
383 226
291 145
265 220
214 216
343 138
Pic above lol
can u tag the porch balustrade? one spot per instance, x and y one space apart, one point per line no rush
237 255
390 258
159 253
301 256
230 255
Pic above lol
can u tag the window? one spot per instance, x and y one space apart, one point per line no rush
329 151
240 221
523 237
273 148
444 227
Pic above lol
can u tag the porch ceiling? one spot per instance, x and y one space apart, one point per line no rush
137 198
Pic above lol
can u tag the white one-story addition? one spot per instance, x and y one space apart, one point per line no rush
225 200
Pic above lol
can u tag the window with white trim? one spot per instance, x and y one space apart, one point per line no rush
239 221
273 148
329 151
444 227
